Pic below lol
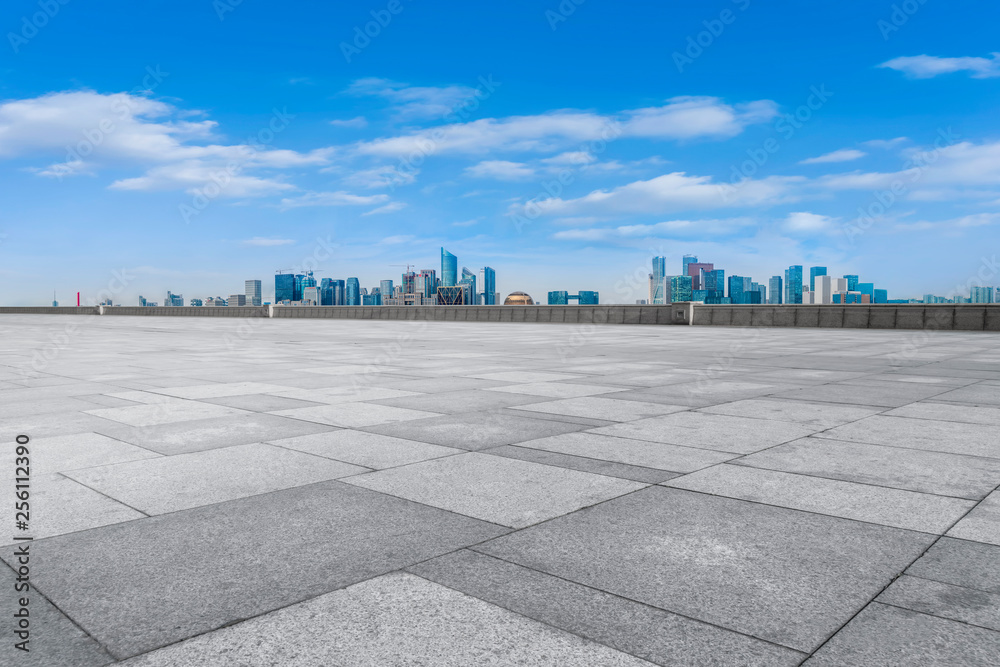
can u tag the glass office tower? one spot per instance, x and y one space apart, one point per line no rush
353 292
449 269
385 289
469 283
587 298
685 261
815 271
774 285
852 283
489 286
680 288
793 284
659 287
284 287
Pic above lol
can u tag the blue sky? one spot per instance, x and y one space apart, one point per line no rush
192 145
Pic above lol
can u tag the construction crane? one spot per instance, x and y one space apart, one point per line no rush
408 266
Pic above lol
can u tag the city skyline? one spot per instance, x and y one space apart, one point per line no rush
880 157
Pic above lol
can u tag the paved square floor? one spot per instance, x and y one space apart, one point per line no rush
224 492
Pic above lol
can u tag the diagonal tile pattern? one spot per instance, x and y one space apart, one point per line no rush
479 495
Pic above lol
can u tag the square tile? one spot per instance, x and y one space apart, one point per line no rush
505 491
926 434
962 563
478 430
455 402
261 402
557 389
418 623
172 483
819 415
583 464
915 470
235 560
631 452
522 377
888 397
982 524
218 390
784 576
81 450
607 409
945 601
952 412
176 410
370 450
355 415
739 435
861 502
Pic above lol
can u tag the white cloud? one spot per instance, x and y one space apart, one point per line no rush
804 222
466 223
842 155
339 198
357 122
397 240
667 229
391 207
926 67
265 242
679 118
413 102
89 131
501 170
381 177
667 193
886 143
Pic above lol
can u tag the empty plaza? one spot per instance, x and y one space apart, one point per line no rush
226 491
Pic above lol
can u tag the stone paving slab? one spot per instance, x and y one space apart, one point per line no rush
501 490
926 434
140 585
962 563
370 450
819 415
607 409
83 450
952 412
945 601
582 463
653 634
781 575
418 623
982 524
476 430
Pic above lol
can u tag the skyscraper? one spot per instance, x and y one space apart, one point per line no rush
353 295
815 271
714 280
793 284
488 278
852 282
685 261
253 292
775 289
385 288
449 269
680 288
658 284
736 289
468 282
979 295
697 270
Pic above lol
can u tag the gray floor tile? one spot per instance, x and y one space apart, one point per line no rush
59 505
889 397
53 640
983 523
219 390
952 412
926 434
197 436
478 430
962 563
781 575
261 402
884 636
527 376
557 389
354 415
418 623
172 483
176 410
653 634
916 470
980 395
505 491
583 464
608 409
819 415
631 452
861 502
82 450
140 585
739 435
370 450
968 605
454 402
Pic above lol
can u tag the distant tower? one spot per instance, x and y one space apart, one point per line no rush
253 292
55 304
449 269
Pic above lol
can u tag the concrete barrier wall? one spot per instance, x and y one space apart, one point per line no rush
945 317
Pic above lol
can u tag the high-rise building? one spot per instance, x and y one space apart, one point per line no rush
867 289
815 271
774 285
408 283
353 294
196 302
488 284
449 269
852 282
713 280
174 300
284 287
558 298
588 298
451 296
657 281
685 261
337 296
311 296
427 283
824 289
697 271
253 293
385 288
680 288
762 289
881 296
468 283
980 295
237 300
793 284
736 289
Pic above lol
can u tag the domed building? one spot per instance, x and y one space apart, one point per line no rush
518 299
